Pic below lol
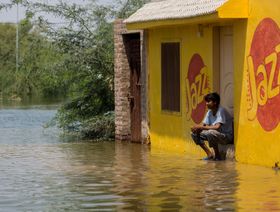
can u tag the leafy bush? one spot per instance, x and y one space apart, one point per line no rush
99 127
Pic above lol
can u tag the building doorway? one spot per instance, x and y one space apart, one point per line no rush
223 66
133 51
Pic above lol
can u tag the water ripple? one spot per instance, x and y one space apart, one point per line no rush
38 172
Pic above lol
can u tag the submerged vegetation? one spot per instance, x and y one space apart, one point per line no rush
73 60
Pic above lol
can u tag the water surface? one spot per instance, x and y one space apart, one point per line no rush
40 171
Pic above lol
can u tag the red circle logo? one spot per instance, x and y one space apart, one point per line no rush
264 79
197 86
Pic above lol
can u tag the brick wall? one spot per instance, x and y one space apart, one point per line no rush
122 84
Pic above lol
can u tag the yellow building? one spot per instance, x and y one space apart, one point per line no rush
192 47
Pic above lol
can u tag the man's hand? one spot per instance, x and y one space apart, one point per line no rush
197 129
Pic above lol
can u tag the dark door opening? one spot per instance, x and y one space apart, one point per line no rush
132 43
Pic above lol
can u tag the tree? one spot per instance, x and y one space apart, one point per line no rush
85 43
7 55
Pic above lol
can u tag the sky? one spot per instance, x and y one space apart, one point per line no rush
10 16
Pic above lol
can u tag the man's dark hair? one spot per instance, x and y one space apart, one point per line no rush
215 97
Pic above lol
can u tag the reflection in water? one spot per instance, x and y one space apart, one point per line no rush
259 188
182 183
38 172
130 175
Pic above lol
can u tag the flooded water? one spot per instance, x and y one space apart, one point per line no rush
40 171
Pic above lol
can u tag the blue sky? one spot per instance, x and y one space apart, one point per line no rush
11 15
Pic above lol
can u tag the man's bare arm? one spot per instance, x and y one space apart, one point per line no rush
200 127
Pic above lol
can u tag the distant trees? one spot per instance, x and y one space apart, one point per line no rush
37 58
7 56
75 59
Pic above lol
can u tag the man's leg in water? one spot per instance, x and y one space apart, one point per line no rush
215 138
199 139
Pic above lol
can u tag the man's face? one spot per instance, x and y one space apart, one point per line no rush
211 105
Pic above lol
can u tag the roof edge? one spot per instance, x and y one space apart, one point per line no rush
171 22
231 9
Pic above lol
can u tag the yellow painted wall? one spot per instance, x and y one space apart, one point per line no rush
171 131
257 144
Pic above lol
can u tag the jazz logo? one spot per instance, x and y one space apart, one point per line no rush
263 77
197 86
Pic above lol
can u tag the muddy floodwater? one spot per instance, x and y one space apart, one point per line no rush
42 171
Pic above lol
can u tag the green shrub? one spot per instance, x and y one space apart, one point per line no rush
101 127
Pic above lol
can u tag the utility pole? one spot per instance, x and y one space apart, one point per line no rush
17 41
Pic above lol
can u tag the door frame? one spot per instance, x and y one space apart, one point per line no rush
217 57
134 92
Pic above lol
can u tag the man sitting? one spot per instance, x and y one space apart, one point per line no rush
216 127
